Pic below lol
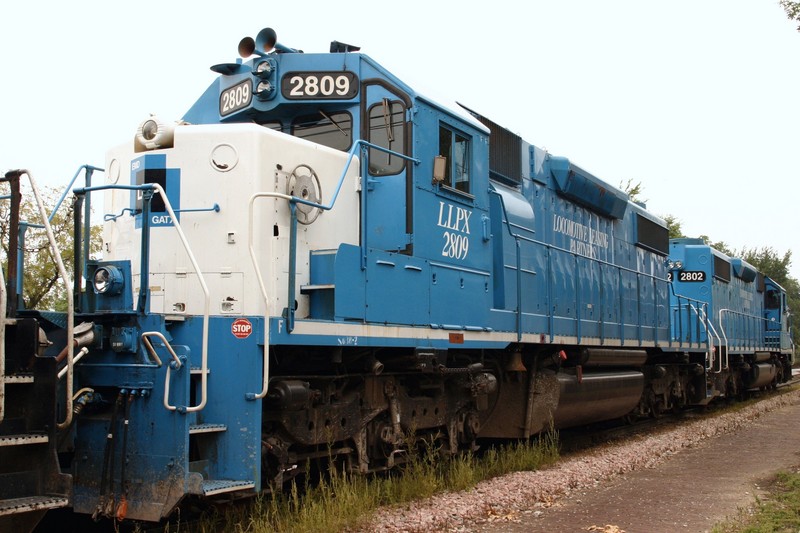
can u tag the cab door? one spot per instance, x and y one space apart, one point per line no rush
386 223
777 323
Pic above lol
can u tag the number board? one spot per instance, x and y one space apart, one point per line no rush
691 276
235 98
333 85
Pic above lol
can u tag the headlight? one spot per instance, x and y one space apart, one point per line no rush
154 133
149 129
264 90
264 69
108 280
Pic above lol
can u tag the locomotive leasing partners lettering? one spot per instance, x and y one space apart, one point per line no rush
585 240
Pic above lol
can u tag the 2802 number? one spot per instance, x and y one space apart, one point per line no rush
691 275
319 85
688 276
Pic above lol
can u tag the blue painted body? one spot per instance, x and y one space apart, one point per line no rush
556 254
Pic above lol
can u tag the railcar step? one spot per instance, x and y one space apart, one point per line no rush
194 429
31 503
305 289
18 378
221 486
19 440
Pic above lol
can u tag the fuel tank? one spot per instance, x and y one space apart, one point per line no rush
760 375
596 397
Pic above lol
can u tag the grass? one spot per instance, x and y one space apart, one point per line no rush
344 501
777 512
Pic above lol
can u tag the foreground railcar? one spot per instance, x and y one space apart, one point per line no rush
319 260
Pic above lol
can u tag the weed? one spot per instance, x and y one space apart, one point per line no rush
342 500
779 511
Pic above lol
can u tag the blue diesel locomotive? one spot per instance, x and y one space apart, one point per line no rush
319 260
744 316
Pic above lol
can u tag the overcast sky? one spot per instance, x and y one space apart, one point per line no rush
696 99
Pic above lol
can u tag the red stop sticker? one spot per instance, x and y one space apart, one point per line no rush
241 328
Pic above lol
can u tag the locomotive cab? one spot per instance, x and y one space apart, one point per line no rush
776 313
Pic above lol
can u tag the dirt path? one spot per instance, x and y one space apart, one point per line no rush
691 491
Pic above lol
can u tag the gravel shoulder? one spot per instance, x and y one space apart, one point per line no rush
684 478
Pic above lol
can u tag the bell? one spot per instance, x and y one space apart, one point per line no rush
515 362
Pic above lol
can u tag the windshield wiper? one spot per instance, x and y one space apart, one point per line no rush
324 114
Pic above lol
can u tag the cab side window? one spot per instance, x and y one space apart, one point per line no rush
456 148
387 130
772 299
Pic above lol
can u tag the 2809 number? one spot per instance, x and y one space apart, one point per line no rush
319 85
456 245
235 98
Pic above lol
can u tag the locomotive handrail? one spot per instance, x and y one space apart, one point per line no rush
700 304
155 187
699 308
260 277
78 356
262 286
70 304
176 362
149 346
87 209
710 329
548 246
360 143
748 319
89 170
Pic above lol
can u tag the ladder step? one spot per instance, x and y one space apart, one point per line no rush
20 440
32 503
19 378
221 486
194 429
196 370
305 289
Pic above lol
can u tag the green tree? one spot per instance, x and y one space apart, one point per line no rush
42 285
674 227
722 246
633 191
792 10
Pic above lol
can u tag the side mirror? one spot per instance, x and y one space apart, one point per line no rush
439 168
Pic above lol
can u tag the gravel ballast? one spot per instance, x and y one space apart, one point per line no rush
505 497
